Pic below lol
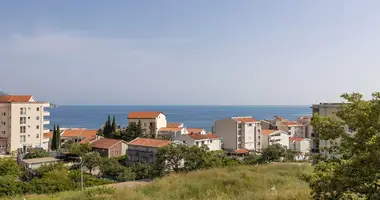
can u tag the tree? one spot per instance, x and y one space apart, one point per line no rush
126 175
114 124
152 131
54 139
273 153
213 129
58 138
9 167
290 155
350 169
92 160
142 170
45 168
79 149
110 167
36 153
169 158
253 160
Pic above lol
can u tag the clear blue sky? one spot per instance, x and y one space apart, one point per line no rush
189 52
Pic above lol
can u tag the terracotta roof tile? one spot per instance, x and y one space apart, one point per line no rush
173 125
170 129
89 133
267 132
197 136
241 151
48 135
15 98
296 139
194 130
143 115
245 119
72 133
149 142
88 139
292 123
105 143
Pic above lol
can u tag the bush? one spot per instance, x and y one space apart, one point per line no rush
142 170
9 167
253 160
36 153
9 186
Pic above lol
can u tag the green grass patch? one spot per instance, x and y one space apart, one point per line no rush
263 182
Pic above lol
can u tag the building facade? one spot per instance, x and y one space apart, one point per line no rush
279 137
210 140
302 145
151 122
143 150
171 133
109 148
239 133
22 121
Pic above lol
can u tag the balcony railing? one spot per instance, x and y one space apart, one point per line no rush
46 131
46 121
46 113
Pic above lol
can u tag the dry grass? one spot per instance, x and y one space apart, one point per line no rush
269 182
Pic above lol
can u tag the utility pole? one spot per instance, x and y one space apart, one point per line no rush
81 172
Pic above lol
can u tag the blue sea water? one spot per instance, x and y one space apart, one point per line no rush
93 117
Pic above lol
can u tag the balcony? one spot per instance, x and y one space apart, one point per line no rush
46 131
46 113
46 122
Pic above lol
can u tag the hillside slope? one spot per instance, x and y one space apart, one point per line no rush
269 182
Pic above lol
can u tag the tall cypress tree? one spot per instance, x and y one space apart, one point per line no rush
113 124
58 138
54 139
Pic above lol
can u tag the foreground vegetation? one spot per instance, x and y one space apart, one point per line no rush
271 181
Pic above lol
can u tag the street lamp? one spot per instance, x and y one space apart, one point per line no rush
81 172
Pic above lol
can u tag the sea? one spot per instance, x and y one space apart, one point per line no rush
92 117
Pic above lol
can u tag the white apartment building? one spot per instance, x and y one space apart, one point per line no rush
151 122
324 109
279 137
210 140
239 133
301 145
22 120
294 128
171 132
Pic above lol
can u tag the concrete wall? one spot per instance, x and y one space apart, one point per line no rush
227 129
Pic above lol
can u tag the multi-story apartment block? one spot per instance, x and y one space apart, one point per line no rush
239 133
323 109
22 120
295 129
151 122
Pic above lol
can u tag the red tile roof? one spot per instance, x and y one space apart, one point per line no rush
15 98
197 136
292 123
105 143
143 115
296 139
194 130
241 151
79 133
279 117
245 120
170 129
267 132
173 125
88 139
149 142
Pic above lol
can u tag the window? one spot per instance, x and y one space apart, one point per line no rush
28 108
22 129
28 117
197 143
203 142
22 120
3 132
38 118
258 143
22 138
210 141
249 124
116 153
3 113
184 142
2 123
22 111
38 109
37 127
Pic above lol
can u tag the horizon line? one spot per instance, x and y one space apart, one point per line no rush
179 105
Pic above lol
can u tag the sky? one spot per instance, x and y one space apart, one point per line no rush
214 52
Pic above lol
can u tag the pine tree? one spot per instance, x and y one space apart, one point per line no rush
113 124
54 139
58 138
139 131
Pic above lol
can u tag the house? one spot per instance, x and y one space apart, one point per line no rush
294 128
22 121
80 135
35 163
239 133
306 121
144 150
151 122
302 145
210 140
174 125
171 133
279 137
196 130
109 147
264 138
